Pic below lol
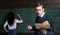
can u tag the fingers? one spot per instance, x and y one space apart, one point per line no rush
18 15
29 27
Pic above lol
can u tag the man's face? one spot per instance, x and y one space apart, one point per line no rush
39 10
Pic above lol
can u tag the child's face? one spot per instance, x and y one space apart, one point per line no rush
39 10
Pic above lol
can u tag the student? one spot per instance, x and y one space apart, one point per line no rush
41 17
11 22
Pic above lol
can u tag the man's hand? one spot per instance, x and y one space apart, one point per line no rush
29 27
43 30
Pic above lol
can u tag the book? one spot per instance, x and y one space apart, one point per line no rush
45 25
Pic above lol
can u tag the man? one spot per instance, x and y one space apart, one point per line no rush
41 17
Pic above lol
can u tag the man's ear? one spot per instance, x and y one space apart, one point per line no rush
43 9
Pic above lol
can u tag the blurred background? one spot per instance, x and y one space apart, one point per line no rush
27 10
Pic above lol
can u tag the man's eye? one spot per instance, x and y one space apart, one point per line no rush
39 9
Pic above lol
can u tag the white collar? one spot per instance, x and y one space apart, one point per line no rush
42 14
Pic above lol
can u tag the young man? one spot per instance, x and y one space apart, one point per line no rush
41 17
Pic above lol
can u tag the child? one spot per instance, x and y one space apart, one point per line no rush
11 22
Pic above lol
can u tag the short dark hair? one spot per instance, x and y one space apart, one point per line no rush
39 4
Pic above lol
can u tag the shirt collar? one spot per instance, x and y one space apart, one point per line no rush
42 14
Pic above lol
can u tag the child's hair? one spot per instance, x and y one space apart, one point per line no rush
10 18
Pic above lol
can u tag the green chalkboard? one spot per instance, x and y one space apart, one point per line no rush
29 16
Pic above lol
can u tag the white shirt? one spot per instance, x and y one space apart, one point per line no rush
42 14
14 24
